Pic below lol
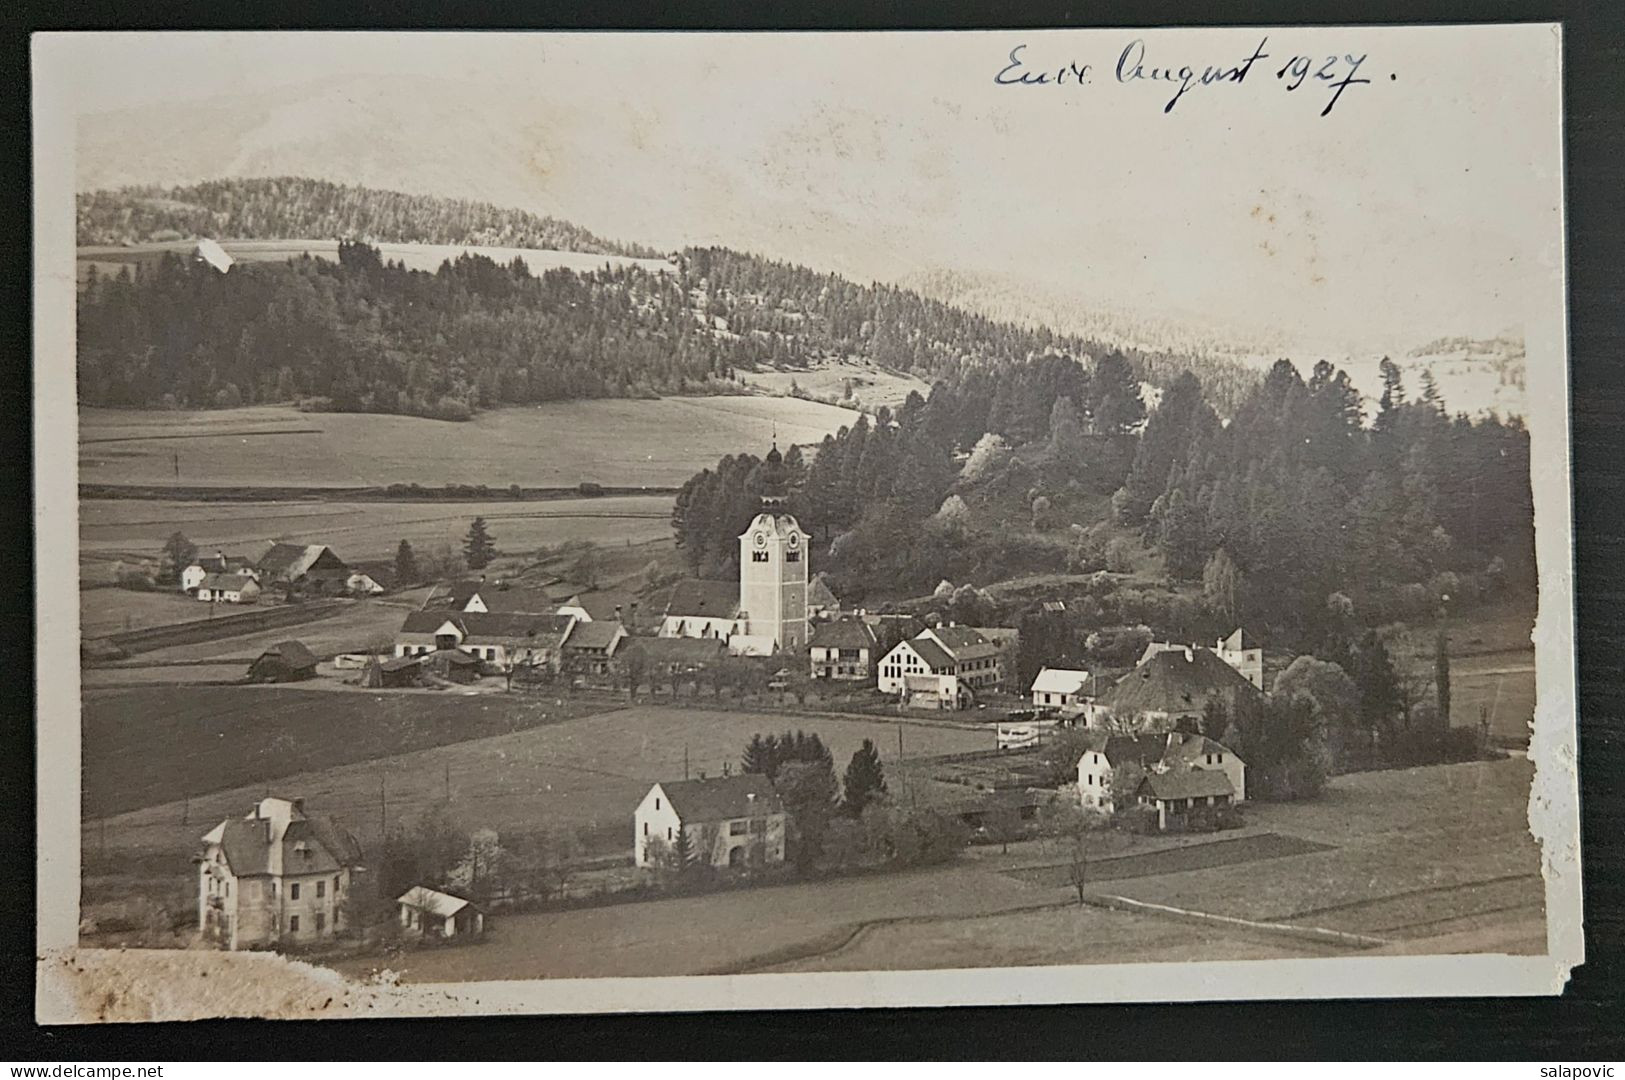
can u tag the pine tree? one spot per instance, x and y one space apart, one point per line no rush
178 554
1441 677
865 779
479 548
406 565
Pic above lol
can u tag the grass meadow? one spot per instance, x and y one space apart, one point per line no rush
614 442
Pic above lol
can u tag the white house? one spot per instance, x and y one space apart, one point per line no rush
1175 795
946 665
274 876
430 913
228 589
1064 689
734 821
219 563
1174 752
359 584
1242 653
502 639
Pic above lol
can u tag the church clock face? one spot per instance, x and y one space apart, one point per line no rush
761 539
795 541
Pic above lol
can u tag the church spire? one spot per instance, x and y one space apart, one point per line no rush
775 480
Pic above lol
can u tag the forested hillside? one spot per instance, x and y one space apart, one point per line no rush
1297 514
298 208
363 335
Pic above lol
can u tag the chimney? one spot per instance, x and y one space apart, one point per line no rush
750 797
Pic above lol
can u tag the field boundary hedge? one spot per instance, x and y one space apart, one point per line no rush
225 626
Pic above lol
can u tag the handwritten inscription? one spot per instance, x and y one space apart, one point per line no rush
1335 73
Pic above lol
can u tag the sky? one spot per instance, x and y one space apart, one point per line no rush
1425 204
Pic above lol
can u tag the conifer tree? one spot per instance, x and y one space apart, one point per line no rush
479 547
864 780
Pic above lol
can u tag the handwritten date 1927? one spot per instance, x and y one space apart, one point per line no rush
1338 73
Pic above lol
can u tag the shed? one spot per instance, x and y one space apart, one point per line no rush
432 913
288 661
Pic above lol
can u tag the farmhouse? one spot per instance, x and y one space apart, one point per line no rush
274 876
946 665
1171 686
733 821
219 563
609 605
313 566
1176 796
288 661
430 913
1101 768
843 650
1065 690
1007 643
590 646
228 589
501 639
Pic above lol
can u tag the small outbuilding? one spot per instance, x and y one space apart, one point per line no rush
396 672
288 661
429 912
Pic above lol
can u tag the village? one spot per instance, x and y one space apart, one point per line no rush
1084 767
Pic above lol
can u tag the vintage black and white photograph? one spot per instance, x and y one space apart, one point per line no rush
857 518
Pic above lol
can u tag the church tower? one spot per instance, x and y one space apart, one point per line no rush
773 567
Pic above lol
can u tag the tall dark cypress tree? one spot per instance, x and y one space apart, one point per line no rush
864 780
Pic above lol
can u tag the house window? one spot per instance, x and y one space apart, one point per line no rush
668 832
645 828
657 804
228 888
321 922
738 828
293 891
293 924
321 890
273 888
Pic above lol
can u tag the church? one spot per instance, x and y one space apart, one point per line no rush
768 613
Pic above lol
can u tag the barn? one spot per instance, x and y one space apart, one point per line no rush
288 661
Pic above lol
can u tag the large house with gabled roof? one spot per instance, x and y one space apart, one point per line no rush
1171 688
502 639
313 566
275 876
735 821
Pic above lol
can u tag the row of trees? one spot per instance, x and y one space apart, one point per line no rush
285 207
1297 509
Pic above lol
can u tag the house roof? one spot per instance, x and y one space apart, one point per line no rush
1060 681
452 656
819 594
843 634
1174 681
291 560
292 653
998 635
1142 750
400 663
435 902
213 254
1187 784
934 655
219 564
484 627
964 642
228 582
704 599
601 604
1238 640
678 650
594 635
1184 749
722 798
309 845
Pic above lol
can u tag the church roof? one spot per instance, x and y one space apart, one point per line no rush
704 599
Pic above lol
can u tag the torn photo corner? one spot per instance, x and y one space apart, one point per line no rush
576 522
